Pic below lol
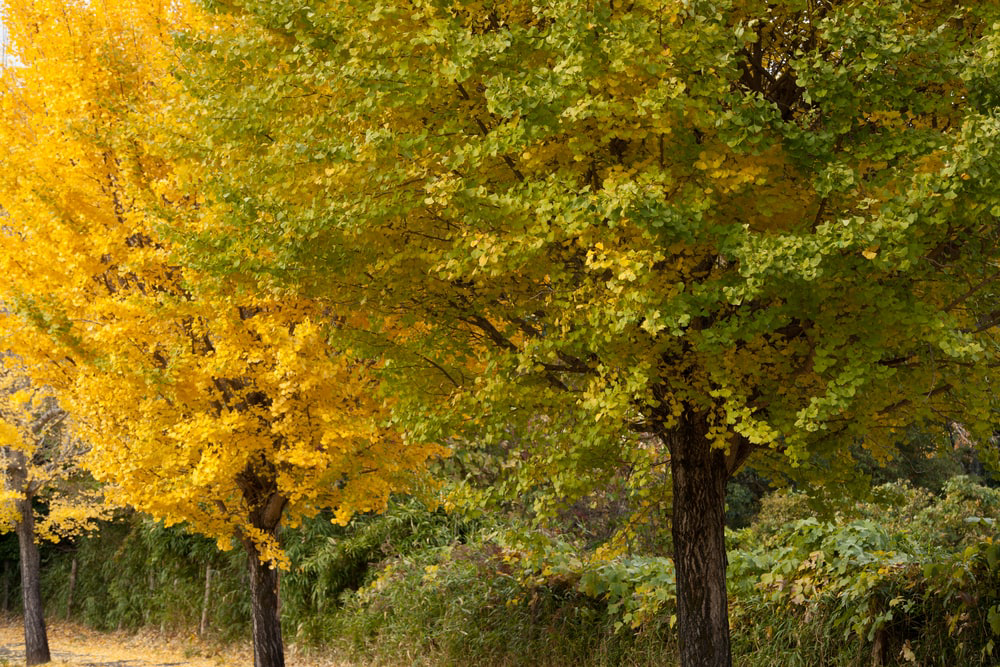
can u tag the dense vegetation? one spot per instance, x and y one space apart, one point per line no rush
909 577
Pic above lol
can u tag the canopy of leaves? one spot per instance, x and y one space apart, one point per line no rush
597 219
221 409
41 459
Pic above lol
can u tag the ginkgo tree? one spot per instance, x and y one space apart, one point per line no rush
228 411
681 230
41 461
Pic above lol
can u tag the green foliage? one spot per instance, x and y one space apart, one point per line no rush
592 232
604 218
744 494
329 561
905 574
780 508
969 513
136 572
486 604
925 457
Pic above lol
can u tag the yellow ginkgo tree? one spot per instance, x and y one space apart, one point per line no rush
40 460
228 411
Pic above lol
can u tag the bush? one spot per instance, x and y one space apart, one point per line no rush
907 578
329 561
487 604
136 572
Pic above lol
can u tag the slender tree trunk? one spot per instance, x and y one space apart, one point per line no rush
268 650
699 509
36 641
6 586
203 626
72 588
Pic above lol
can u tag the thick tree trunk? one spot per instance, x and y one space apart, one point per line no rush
268 650
36 640
699 482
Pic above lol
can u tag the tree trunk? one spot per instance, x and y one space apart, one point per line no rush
36 641
72 588
6 586
268 650
699 508
203 626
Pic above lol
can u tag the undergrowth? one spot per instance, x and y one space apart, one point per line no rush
910 578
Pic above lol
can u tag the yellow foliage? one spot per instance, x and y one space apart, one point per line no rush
40 456
204 405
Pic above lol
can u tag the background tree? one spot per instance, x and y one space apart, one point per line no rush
41 463
228 411
657 232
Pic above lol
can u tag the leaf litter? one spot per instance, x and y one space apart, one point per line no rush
74 645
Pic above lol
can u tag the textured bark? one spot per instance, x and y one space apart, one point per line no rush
268 650
266 506
699 482
36 641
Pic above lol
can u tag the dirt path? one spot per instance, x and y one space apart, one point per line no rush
77 646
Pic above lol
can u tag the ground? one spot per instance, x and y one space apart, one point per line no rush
77 646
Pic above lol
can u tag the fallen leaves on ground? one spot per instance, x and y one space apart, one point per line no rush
74 645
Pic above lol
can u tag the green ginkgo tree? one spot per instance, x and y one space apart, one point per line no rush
676 232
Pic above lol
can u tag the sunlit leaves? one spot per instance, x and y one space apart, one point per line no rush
227 410
42 459
774 215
